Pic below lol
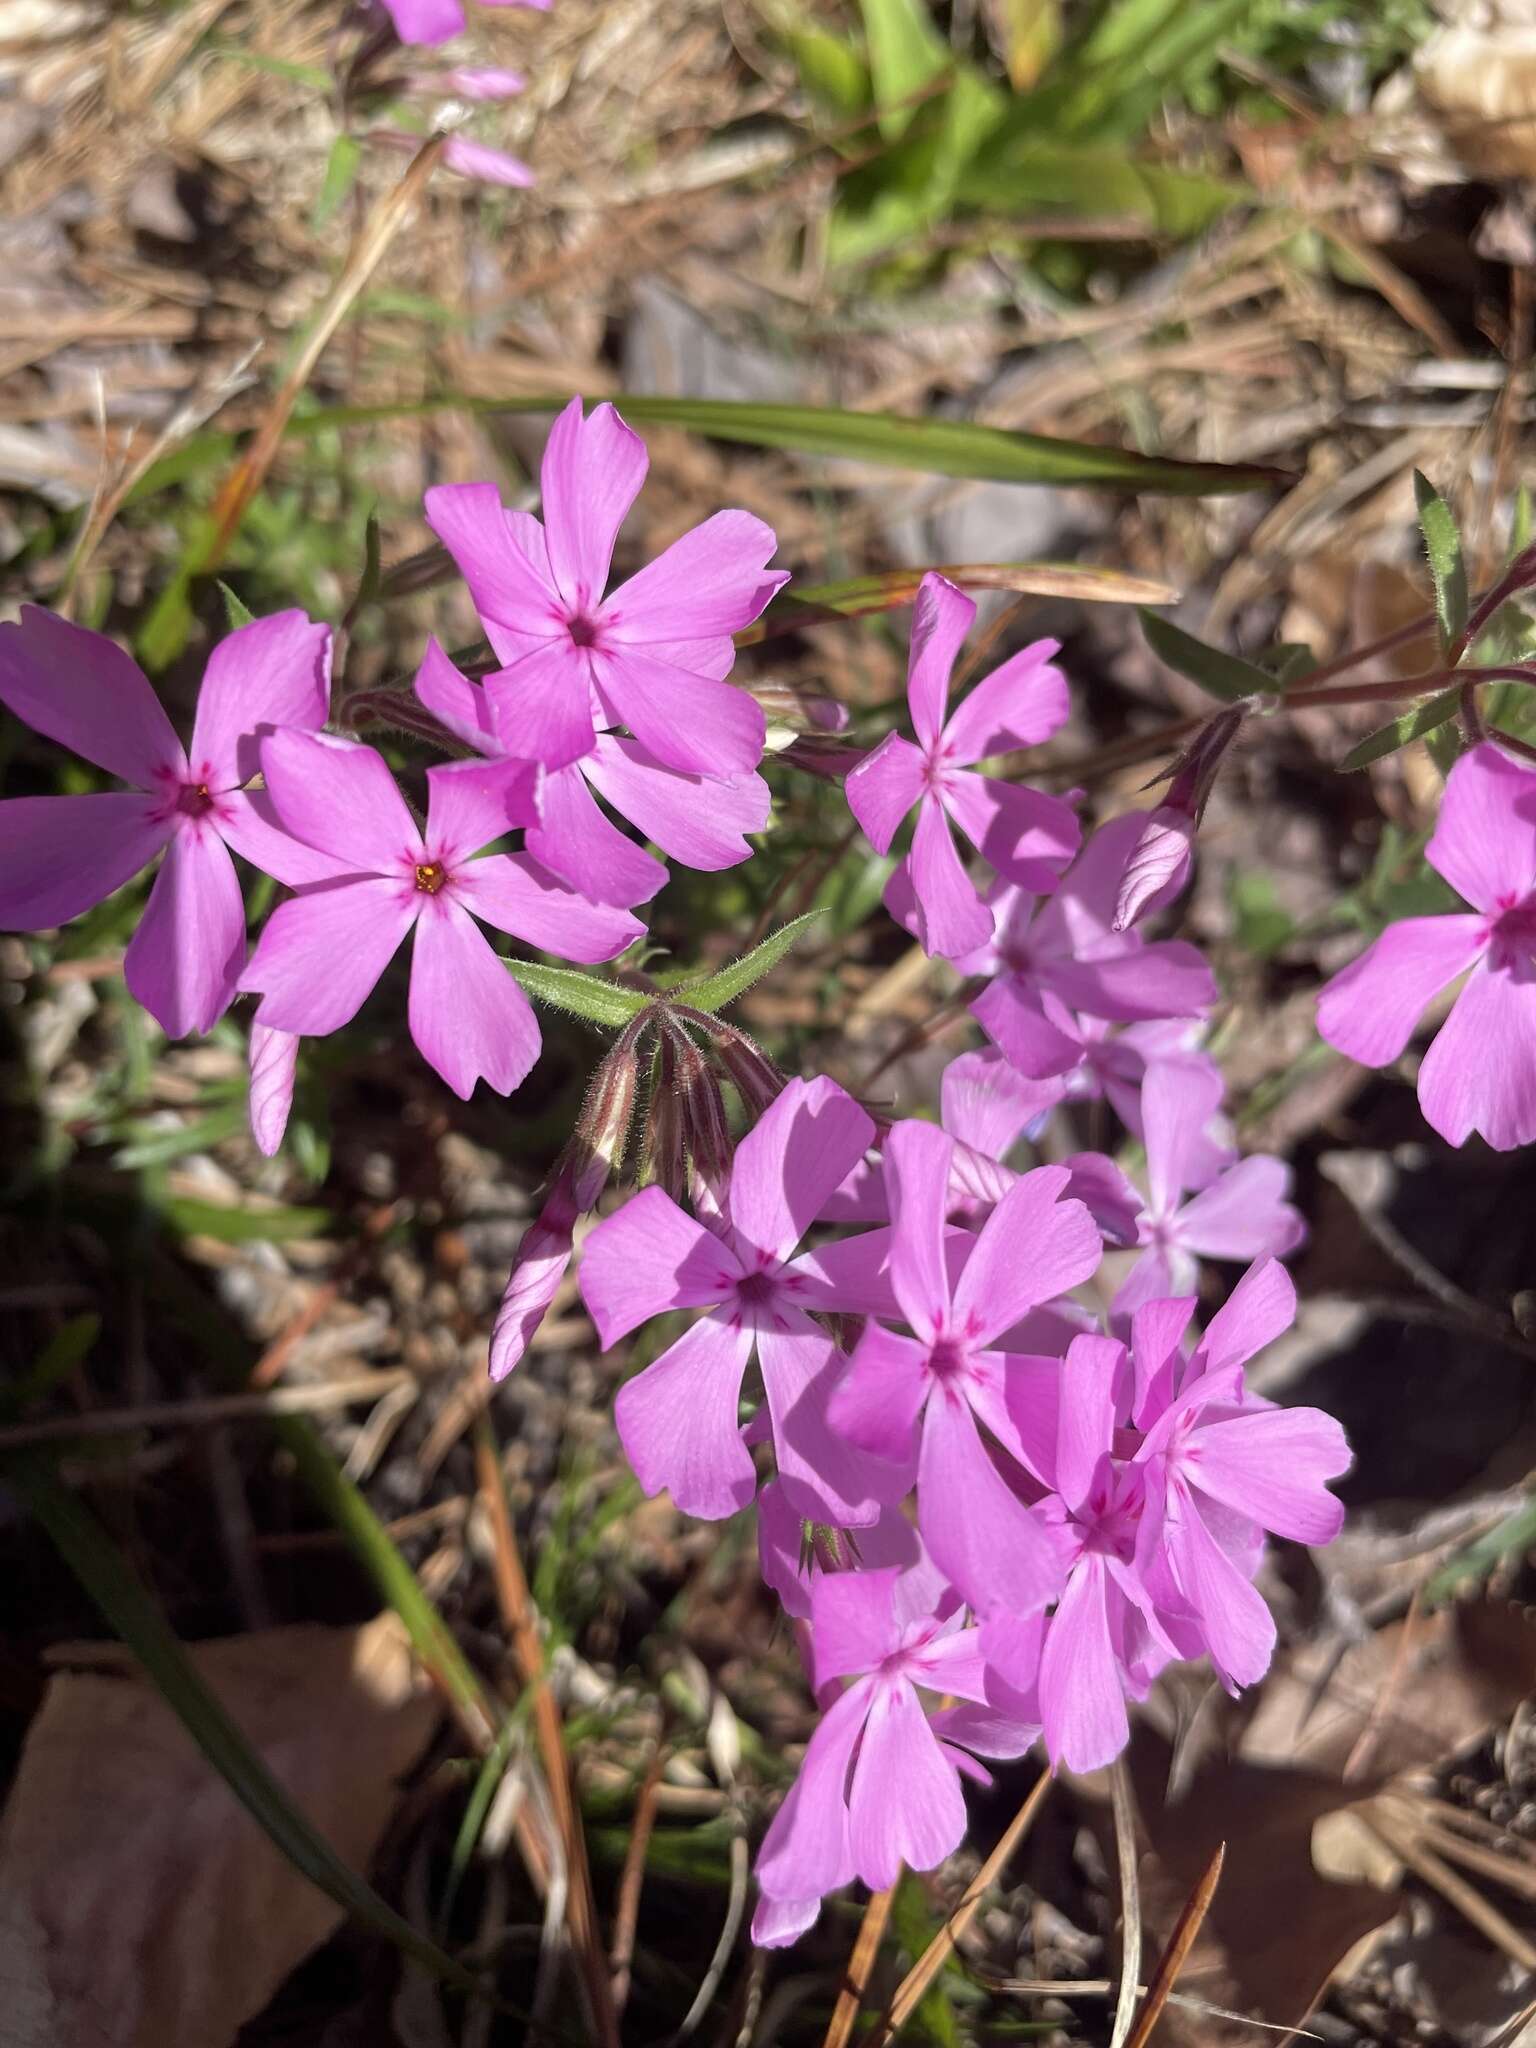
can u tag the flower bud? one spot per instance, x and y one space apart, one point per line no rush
1158 867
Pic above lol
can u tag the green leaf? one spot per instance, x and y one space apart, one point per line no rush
236 612
906 52
584 995
1224 675
1031 36
341 168
1512 1537
939 446
397 1585
127 1607
188 1217
716 990
887 203
831 70
914 1927
1020 169
1261 925
1442 544
1413 725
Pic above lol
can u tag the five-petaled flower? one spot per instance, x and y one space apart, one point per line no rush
1480 1073
1027 836
323 950
60 855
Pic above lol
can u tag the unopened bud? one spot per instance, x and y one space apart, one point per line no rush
753 1075
1158 867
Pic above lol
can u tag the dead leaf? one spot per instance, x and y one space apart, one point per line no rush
140 1905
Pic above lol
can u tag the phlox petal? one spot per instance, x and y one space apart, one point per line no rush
470 803
1370 1008
1237 1627
61 855
578 844
677 1420
274 1058
853 1621
514 893
881 1395
941 618
183 963
1020 704
1272 1466
824 1476
709 584
592 472
80 689
469 1018
321 953
1026 835
511 590
1480 1073
272 672
805 1853
952 919
980 1534
792 1159
541 704
1032 1247
1484 840
904 1804
647 1258
698 820
688 722
341 798
883 787
1244 1214
1082 1701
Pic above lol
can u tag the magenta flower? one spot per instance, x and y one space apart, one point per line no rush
436 21
950 1377
274 1060
1221 1466
677 1420
879 1787
1104 1641
652 655
1480 1072
60 855
1027 836
1241 1214
1050 958
699 821
322 951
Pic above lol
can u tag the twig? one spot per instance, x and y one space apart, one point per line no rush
1130 1903
213 1408
928 1965
621 1948
1180 1942
1454 1889
871 1933
517 1614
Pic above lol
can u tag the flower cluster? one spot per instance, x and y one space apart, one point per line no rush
976 1487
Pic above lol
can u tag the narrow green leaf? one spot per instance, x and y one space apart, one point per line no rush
1442 544
831 70
914 1927
341 168
151 1147
493 1768
906 52
1511 1538
236 612
1520 522
188 1217
717 990
1413 725
584 995
128 1608
1224 675
940 447
398 1586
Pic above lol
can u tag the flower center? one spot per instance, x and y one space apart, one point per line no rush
193 800
430 876
756 1287
1512 942
583 631
946 1358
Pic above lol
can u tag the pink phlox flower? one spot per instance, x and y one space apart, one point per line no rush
651 655
790 1572
879 1787
1025 834
324 949
1242 1214
1220 1466
1053 957
1479 1074
428 22
985 1105
1158 867
1104 1641
677 1420
697 820
61 855
920 1402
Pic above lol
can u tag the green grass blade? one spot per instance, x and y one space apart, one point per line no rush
906 53
126 1605
397 1585
940 447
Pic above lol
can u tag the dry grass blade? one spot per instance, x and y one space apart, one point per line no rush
937 1954
632 1879
1130 1898
1406 1844
1180 1942
368 251
517 1613
871 1933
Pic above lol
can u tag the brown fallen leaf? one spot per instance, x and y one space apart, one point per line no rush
140 1905
1290 1786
